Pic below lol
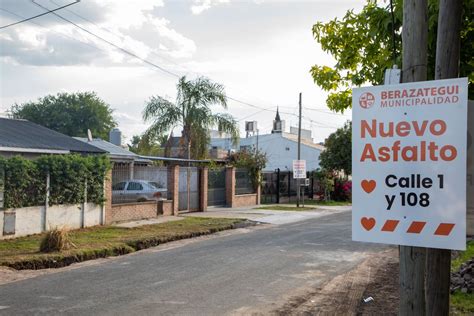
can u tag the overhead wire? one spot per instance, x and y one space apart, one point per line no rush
39 15
150 63
59 33
110 43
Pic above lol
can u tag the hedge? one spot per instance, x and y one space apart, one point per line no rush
25 180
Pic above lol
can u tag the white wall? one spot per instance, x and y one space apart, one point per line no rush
64 216
29 220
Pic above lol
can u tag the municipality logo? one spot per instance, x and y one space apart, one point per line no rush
366 100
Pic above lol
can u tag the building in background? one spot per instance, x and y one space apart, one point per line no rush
280 147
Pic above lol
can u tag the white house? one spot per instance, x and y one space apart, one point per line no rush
281 147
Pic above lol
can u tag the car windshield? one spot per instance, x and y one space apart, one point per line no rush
155 185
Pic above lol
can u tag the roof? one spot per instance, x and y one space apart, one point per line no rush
25 136
113 150
304 141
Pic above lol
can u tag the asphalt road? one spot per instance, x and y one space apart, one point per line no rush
237 273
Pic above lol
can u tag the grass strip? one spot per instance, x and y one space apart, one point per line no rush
105 241
462 303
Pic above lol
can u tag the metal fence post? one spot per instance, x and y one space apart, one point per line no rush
2 190
84 205
289 186
278 186
46 203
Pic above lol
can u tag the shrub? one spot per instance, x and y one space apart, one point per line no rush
56 240
342 190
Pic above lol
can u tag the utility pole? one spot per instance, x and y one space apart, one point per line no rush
438 261
298 183
415 46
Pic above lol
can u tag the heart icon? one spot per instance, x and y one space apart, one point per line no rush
367 223
368 185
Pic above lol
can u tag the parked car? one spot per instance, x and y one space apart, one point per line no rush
137 191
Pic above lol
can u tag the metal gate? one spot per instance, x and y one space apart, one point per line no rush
193 193
216 188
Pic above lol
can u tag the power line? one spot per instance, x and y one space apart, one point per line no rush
117 35
37 16
59 33
110 43
163 69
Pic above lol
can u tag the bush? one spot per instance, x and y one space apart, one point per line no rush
342 190
25 180
56 240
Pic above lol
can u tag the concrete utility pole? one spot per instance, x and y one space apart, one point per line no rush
438 261
298 183
415 46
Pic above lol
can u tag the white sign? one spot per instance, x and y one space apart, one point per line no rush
409 164
299 169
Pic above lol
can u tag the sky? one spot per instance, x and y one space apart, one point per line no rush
260 50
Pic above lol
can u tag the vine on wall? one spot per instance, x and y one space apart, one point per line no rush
25 180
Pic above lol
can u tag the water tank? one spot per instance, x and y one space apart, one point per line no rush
115 137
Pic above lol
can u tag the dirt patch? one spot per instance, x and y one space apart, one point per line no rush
384 289
377 276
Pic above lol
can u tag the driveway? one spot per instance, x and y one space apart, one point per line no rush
238 272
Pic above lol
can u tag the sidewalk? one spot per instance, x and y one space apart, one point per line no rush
151 221
269 216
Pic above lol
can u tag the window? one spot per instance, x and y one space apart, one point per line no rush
134 186
119 186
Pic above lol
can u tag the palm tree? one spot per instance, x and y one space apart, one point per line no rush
192 110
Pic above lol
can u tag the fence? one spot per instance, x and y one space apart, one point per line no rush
138 183
216 187
280 187
243 182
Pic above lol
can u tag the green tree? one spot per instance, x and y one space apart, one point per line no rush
142 145
69 113
192 111
338 153
362 45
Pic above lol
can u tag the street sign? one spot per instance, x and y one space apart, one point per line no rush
299 169
409 164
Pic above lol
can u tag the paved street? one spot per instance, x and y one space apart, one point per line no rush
230 274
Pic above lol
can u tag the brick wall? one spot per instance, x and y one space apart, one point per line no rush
173 187
132 211
234 200
108 198
165 207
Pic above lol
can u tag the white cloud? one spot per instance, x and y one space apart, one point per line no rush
30 44
200 6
